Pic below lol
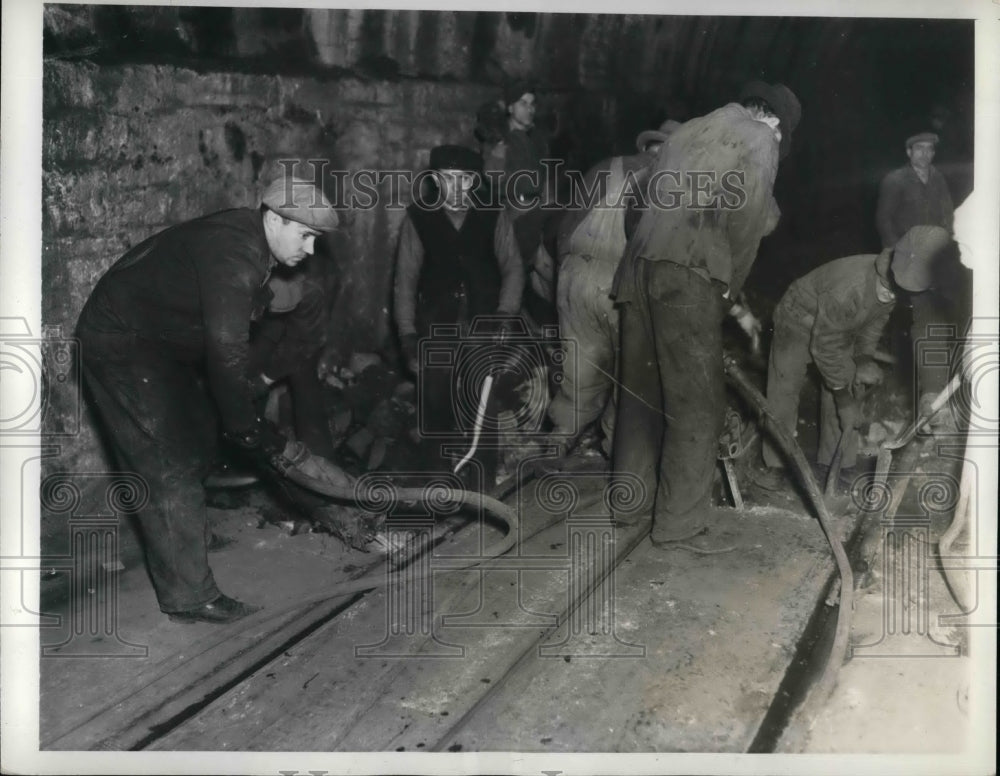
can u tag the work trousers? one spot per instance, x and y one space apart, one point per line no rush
786 375
588 325
161 426
672 401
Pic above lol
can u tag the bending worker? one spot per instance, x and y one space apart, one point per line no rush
693 248
834 317
177 305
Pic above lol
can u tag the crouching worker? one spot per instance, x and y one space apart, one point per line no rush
834 317
174 309
456 261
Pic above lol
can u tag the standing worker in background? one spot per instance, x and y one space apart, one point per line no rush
455 261
912 195
834 317
710 203
180 301
516 164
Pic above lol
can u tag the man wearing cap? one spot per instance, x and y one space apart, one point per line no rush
515 164
590 243
917 193
175 308
682 269
834 317
456 260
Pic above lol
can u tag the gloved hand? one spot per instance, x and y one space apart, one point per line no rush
411 352
750 324
867 372
848 409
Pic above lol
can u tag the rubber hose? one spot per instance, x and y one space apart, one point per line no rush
838 652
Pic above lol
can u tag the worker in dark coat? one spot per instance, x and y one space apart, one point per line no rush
917 193
178 306
710 203
457 260
834 318
516 164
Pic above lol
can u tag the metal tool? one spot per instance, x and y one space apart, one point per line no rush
885 453
730 447
833 475
484 395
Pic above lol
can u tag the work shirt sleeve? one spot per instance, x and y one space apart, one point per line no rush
832 343
409 261
511 265
888 202
868 338
228 287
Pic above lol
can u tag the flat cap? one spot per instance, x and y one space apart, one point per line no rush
300 200
914 254
455 157
922 137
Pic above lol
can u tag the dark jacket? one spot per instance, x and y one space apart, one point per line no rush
193 291
905 201
836 304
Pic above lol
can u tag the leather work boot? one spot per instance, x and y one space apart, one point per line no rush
218 612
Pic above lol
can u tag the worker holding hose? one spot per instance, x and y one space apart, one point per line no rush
171 314
834 317
457 260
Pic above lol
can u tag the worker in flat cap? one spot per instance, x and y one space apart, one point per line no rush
172 315
913 194
682 269
833 317
515 166
457 260
917 193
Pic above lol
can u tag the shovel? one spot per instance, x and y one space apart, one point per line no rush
885 453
